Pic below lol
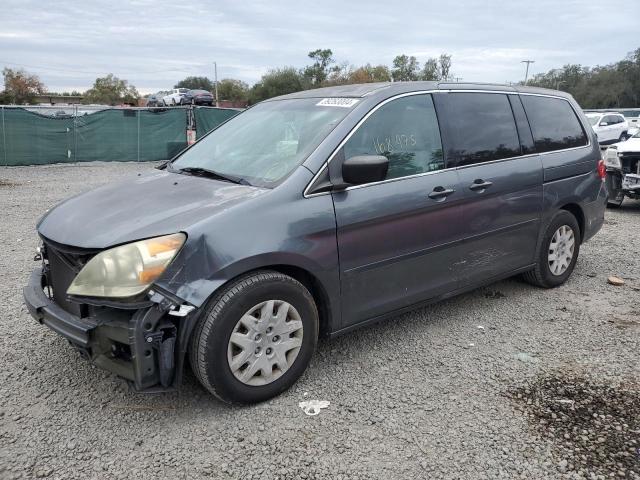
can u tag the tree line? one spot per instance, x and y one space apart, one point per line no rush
322 72
22 87
616 85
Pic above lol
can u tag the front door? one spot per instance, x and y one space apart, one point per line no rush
397 238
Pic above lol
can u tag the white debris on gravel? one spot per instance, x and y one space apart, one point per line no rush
313 407
409 401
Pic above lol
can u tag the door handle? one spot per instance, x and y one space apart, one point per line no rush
440 193
479 185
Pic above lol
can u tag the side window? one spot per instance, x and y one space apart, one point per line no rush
554 124
404 130
480 127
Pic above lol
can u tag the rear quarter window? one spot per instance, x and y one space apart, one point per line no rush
554 124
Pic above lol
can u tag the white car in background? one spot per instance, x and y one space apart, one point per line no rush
610 127
175 96
633 117
622 161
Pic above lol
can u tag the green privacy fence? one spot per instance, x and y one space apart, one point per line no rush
35 136
207 119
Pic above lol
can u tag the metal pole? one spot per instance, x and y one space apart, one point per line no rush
526 74
75 134
4 139
215 72
138 115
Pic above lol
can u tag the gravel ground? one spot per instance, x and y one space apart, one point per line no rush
507 381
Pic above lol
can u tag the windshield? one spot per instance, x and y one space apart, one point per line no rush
593 119
265 143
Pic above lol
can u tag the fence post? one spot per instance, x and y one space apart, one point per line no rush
138 115
75 133
4 139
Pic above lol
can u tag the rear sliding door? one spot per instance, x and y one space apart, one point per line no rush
487 137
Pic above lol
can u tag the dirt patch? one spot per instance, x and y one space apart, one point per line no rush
622 322
7 183
594 427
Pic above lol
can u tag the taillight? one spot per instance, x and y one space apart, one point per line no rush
602 170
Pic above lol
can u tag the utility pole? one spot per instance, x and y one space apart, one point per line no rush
215 73
526 74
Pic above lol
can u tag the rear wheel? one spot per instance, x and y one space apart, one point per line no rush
558 252
256 338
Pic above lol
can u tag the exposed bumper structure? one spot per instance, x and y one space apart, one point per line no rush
624 181
146 345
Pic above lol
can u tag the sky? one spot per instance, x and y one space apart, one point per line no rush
155 43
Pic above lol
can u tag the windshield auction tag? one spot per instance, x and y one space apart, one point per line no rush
337 102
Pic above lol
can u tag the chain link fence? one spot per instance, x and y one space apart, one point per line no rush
36 135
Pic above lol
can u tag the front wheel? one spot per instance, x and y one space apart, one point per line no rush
256 338
557 253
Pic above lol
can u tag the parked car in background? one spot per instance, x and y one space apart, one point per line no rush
197 97
175 96
610 127
623 170
155 99
312 214
633 117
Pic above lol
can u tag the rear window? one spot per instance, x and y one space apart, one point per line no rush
554 124
481 127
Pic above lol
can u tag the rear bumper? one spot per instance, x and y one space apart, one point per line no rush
145 346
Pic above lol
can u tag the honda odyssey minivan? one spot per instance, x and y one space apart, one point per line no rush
312 214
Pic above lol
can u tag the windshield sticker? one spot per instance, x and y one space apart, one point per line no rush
337 102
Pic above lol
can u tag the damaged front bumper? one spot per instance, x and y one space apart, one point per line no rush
145 345
623 180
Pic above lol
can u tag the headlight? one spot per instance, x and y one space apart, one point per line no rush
126 270
611 158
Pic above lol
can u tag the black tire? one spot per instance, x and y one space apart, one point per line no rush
210 339
623 137
541 275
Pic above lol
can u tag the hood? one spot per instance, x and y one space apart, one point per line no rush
631 145
149 205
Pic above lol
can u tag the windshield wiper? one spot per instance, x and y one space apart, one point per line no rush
205 172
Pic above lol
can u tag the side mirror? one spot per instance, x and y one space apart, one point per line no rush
365 169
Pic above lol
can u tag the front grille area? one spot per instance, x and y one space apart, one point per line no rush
64 264
630 162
